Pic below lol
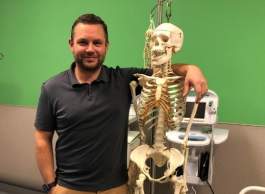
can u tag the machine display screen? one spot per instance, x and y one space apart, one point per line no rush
200 111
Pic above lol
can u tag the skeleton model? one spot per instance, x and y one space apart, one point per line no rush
161 107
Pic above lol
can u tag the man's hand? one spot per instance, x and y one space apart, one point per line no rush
53 190
195 78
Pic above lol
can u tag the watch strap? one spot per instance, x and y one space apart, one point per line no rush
47 187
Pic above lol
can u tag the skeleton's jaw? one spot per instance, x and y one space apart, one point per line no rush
176 49
160 58
158 62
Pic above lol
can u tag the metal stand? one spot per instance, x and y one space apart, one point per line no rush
159 11
158 22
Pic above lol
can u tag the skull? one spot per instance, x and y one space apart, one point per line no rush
166 39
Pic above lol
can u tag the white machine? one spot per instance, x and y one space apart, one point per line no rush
207 109
202 137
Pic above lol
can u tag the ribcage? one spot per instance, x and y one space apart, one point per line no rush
147 111
171 101
177 102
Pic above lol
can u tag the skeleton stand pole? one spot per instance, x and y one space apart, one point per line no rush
159 11
159 21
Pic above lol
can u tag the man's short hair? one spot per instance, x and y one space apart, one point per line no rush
90 18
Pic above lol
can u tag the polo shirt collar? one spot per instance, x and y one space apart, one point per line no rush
103 75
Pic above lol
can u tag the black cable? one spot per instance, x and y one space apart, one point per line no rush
210 186
169 10
155 7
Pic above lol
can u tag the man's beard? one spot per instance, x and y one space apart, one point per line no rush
80 62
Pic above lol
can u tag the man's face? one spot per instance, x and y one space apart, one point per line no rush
89 46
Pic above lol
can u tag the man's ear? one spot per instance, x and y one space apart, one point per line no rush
107 46
70 43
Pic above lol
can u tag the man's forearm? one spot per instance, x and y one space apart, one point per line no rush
45 159
181 69
193 78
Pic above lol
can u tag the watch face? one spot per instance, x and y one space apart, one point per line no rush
45 188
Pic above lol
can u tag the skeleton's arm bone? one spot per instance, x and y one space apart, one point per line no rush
133 85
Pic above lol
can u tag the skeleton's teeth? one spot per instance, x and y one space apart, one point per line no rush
158 53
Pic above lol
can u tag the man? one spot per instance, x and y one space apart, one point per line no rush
88 107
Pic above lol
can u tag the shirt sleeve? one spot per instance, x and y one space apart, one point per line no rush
131 71
45 118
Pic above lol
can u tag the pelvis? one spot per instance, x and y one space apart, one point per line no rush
171 157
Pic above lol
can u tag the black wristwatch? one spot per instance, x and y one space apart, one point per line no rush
47 187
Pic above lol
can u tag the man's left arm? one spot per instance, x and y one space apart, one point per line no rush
193 78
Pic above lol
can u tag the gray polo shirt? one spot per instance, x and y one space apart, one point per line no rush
91 121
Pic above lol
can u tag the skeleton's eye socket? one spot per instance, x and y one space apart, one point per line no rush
163 37
153 38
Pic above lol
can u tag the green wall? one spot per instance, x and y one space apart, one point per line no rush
225 38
